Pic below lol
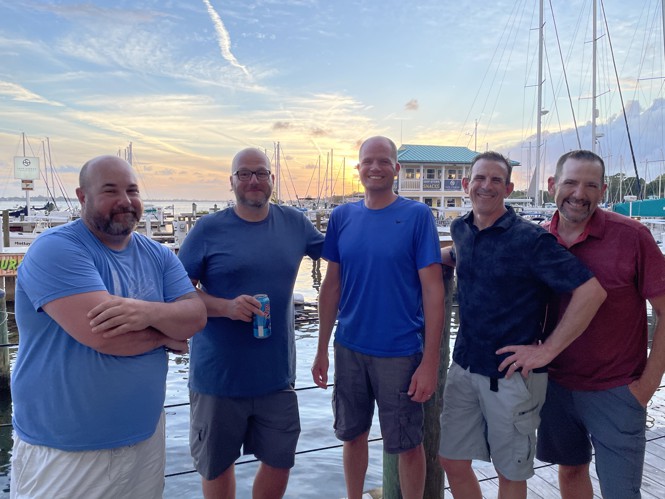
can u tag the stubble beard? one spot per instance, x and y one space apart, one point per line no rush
107 224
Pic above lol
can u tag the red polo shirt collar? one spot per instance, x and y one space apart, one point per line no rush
594 228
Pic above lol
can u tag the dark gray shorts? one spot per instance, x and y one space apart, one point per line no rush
360 380
612 420
266 426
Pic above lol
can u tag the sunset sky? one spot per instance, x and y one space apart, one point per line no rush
191 82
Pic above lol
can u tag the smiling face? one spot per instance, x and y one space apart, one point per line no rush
488 188
253 193
378 165
111 206
578 189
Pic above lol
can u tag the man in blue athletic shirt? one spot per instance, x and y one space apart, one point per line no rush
97 305
241 387
384 285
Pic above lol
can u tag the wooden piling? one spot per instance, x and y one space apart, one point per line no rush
4 339
434 481
5 228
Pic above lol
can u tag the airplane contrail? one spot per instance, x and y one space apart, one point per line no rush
223 38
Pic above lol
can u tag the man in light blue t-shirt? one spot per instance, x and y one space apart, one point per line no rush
383 284
241 387
97 306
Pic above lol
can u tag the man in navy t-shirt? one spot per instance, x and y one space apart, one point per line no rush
241 387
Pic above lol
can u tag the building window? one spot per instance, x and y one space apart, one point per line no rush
450 202
412 173
428 202
430 173
455 173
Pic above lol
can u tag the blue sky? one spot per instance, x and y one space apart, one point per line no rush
191 82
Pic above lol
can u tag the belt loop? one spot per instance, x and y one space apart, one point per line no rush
494 384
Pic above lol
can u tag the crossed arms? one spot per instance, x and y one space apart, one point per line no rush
125 326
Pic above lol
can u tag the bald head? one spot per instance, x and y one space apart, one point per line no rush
380 140
92 168
251 155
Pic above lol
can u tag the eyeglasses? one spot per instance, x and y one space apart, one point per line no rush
246 175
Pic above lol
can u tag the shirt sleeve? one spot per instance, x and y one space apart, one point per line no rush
314 240
556 266
192 251
650 265
330 246
428 250
45 278
176 281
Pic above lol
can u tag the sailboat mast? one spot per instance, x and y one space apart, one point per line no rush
278 174
539 112
344 179
594 111
331 176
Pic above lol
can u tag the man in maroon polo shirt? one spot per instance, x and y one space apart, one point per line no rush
600 384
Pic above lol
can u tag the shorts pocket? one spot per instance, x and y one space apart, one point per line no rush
410 416
625 394
198 442
526 423
526 419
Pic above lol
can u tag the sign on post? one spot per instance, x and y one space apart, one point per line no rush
27 185
26 168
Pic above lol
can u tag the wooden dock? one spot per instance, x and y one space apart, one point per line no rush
545 485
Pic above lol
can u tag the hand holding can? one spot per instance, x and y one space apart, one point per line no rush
262 323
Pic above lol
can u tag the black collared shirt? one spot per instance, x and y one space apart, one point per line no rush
505 276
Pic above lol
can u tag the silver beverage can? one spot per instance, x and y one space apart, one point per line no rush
262 324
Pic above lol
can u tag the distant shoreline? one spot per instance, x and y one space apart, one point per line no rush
41 197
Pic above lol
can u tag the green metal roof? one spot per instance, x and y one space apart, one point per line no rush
409 153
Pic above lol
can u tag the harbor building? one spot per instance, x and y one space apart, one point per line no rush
433 175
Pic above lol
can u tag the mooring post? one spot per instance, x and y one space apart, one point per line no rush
318 221
434 481
5 228
4 339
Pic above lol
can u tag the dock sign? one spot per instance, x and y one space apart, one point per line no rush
26 168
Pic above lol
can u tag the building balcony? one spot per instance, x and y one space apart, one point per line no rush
430 185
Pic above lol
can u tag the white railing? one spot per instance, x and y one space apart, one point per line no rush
410 184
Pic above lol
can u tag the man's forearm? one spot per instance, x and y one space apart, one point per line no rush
180 319
328 306
136 343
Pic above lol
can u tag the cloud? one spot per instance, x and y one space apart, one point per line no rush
19 93
319 132
281 125
412 105
223 39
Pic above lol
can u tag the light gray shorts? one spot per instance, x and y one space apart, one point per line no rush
477 423
266 426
